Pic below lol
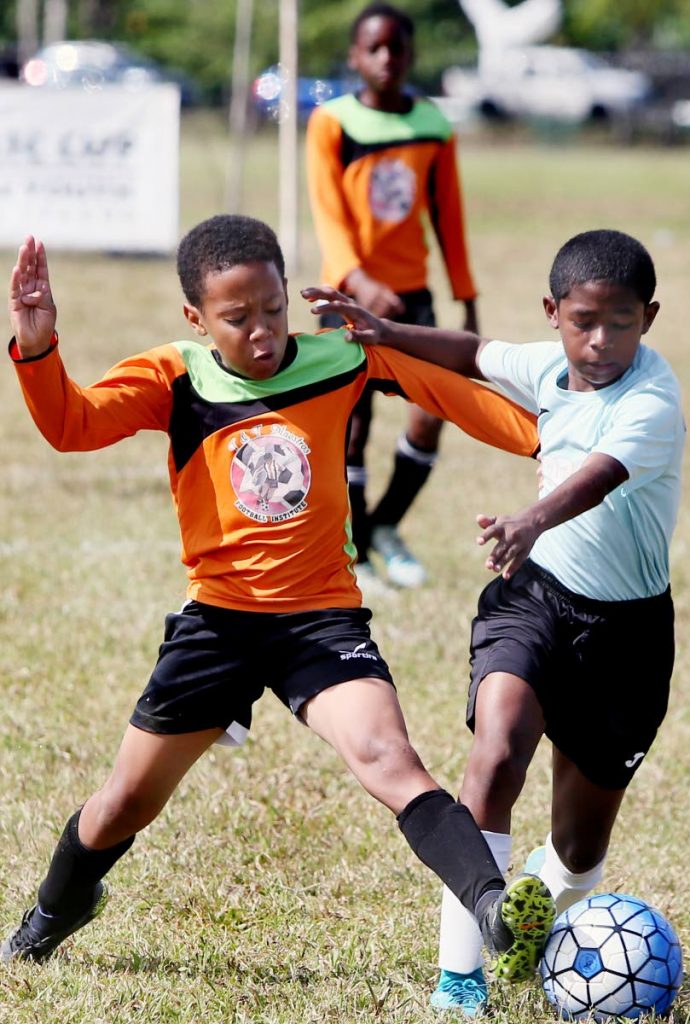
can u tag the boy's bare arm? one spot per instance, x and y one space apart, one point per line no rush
32 310
516 534
455 350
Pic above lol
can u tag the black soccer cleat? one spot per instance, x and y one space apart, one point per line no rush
516 927
38 936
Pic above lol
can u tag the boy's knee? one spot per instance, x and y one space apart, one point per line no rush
121 808
499 771
384 754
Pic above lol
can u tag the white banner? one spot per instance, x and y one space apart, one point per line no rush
90 170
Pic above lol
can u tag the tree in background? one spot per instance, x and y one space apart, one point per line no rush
196 36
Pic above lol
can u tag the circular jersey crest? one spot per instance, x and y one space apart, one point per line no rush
392 190
271 476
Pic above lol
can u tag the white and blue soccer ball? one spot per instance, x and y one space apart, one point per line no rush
611 955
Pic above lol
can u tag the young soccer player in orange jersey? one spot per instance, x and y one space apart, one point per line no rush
257 423
379 164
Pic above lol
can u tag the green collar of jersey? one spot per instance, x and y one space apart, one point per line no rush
366 126
319 357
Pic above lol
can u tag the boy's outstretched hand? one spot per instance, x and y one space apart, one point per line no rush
32 310
362 326
514 535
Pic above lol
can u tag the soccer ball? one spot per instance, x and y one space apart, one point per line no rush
611 956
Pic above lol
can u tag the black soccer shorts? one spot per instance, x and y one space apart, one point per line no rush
600 669
214 663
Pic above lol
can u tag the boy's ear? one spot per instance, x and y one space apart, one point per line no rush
551 310
352 58
649 316
193 315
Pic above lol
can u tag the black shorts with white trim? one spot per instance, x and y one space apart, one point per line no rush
214 663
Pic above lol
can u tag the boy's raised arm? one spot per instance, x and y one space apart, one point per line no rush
31 307
516 534
455 350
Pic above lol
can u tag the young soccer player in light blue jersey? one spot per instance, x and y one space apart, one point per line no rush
574 638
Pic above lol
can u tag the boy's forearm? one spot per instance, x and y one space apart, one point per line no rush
581 492
455 350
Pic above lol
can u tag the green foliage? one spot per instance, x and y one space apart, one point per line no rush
600 25
196 36
443 36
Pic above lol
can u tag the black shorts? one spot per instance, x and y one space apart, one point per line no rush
419 310
215 662
600 669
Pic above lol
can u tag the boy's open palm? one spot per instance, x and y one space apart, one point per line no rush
31 306
362 326
514 535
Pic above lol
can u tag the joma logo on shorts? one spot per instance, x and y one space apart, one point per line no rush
634 759
358 653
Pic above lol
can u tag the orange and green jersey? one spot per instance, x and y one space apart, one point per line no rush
257 468
373 177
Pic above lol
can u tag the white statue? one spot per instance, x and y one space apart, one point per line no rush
499 27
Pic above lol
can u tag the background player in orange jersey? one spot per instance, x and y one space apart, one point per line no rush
273 602
379 164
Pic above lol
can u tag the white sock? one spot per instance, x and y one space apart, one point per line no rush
460 941
567 887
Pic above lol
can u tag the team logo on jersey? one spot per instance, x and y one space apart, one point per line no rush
392 190
270 473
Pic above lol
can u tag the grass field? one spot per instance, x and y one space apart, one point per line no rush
272 889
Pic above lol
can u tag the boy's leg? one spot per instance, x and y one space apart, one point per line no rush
363 721
508 724
359 426
147 770
582 819
415 456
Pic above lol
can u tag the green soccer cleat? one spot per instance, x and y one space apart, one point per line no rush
517 926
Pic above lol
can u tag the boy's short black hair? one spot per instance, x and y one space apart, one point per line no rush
603 255
382 11
224 241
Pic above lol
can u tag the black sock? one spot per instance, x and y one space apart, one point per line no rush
360 521
410 473
74 870
446 838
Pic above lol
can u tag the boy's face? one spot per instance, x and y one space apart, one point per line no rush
382 54
601 324
244 312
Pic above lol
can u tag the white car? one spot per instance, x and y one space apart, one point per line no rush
557 82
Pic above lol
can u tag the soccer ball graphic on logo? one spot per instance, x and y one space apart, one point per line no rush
611 956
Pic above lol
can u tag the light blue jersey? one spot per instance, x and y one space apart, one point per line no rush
619 550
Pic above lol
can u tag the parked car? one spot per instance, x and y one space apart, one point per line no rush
88 64
268 90
557 82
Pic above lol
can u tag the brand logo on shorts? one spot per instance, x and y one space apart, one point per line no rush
634 759
358 652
